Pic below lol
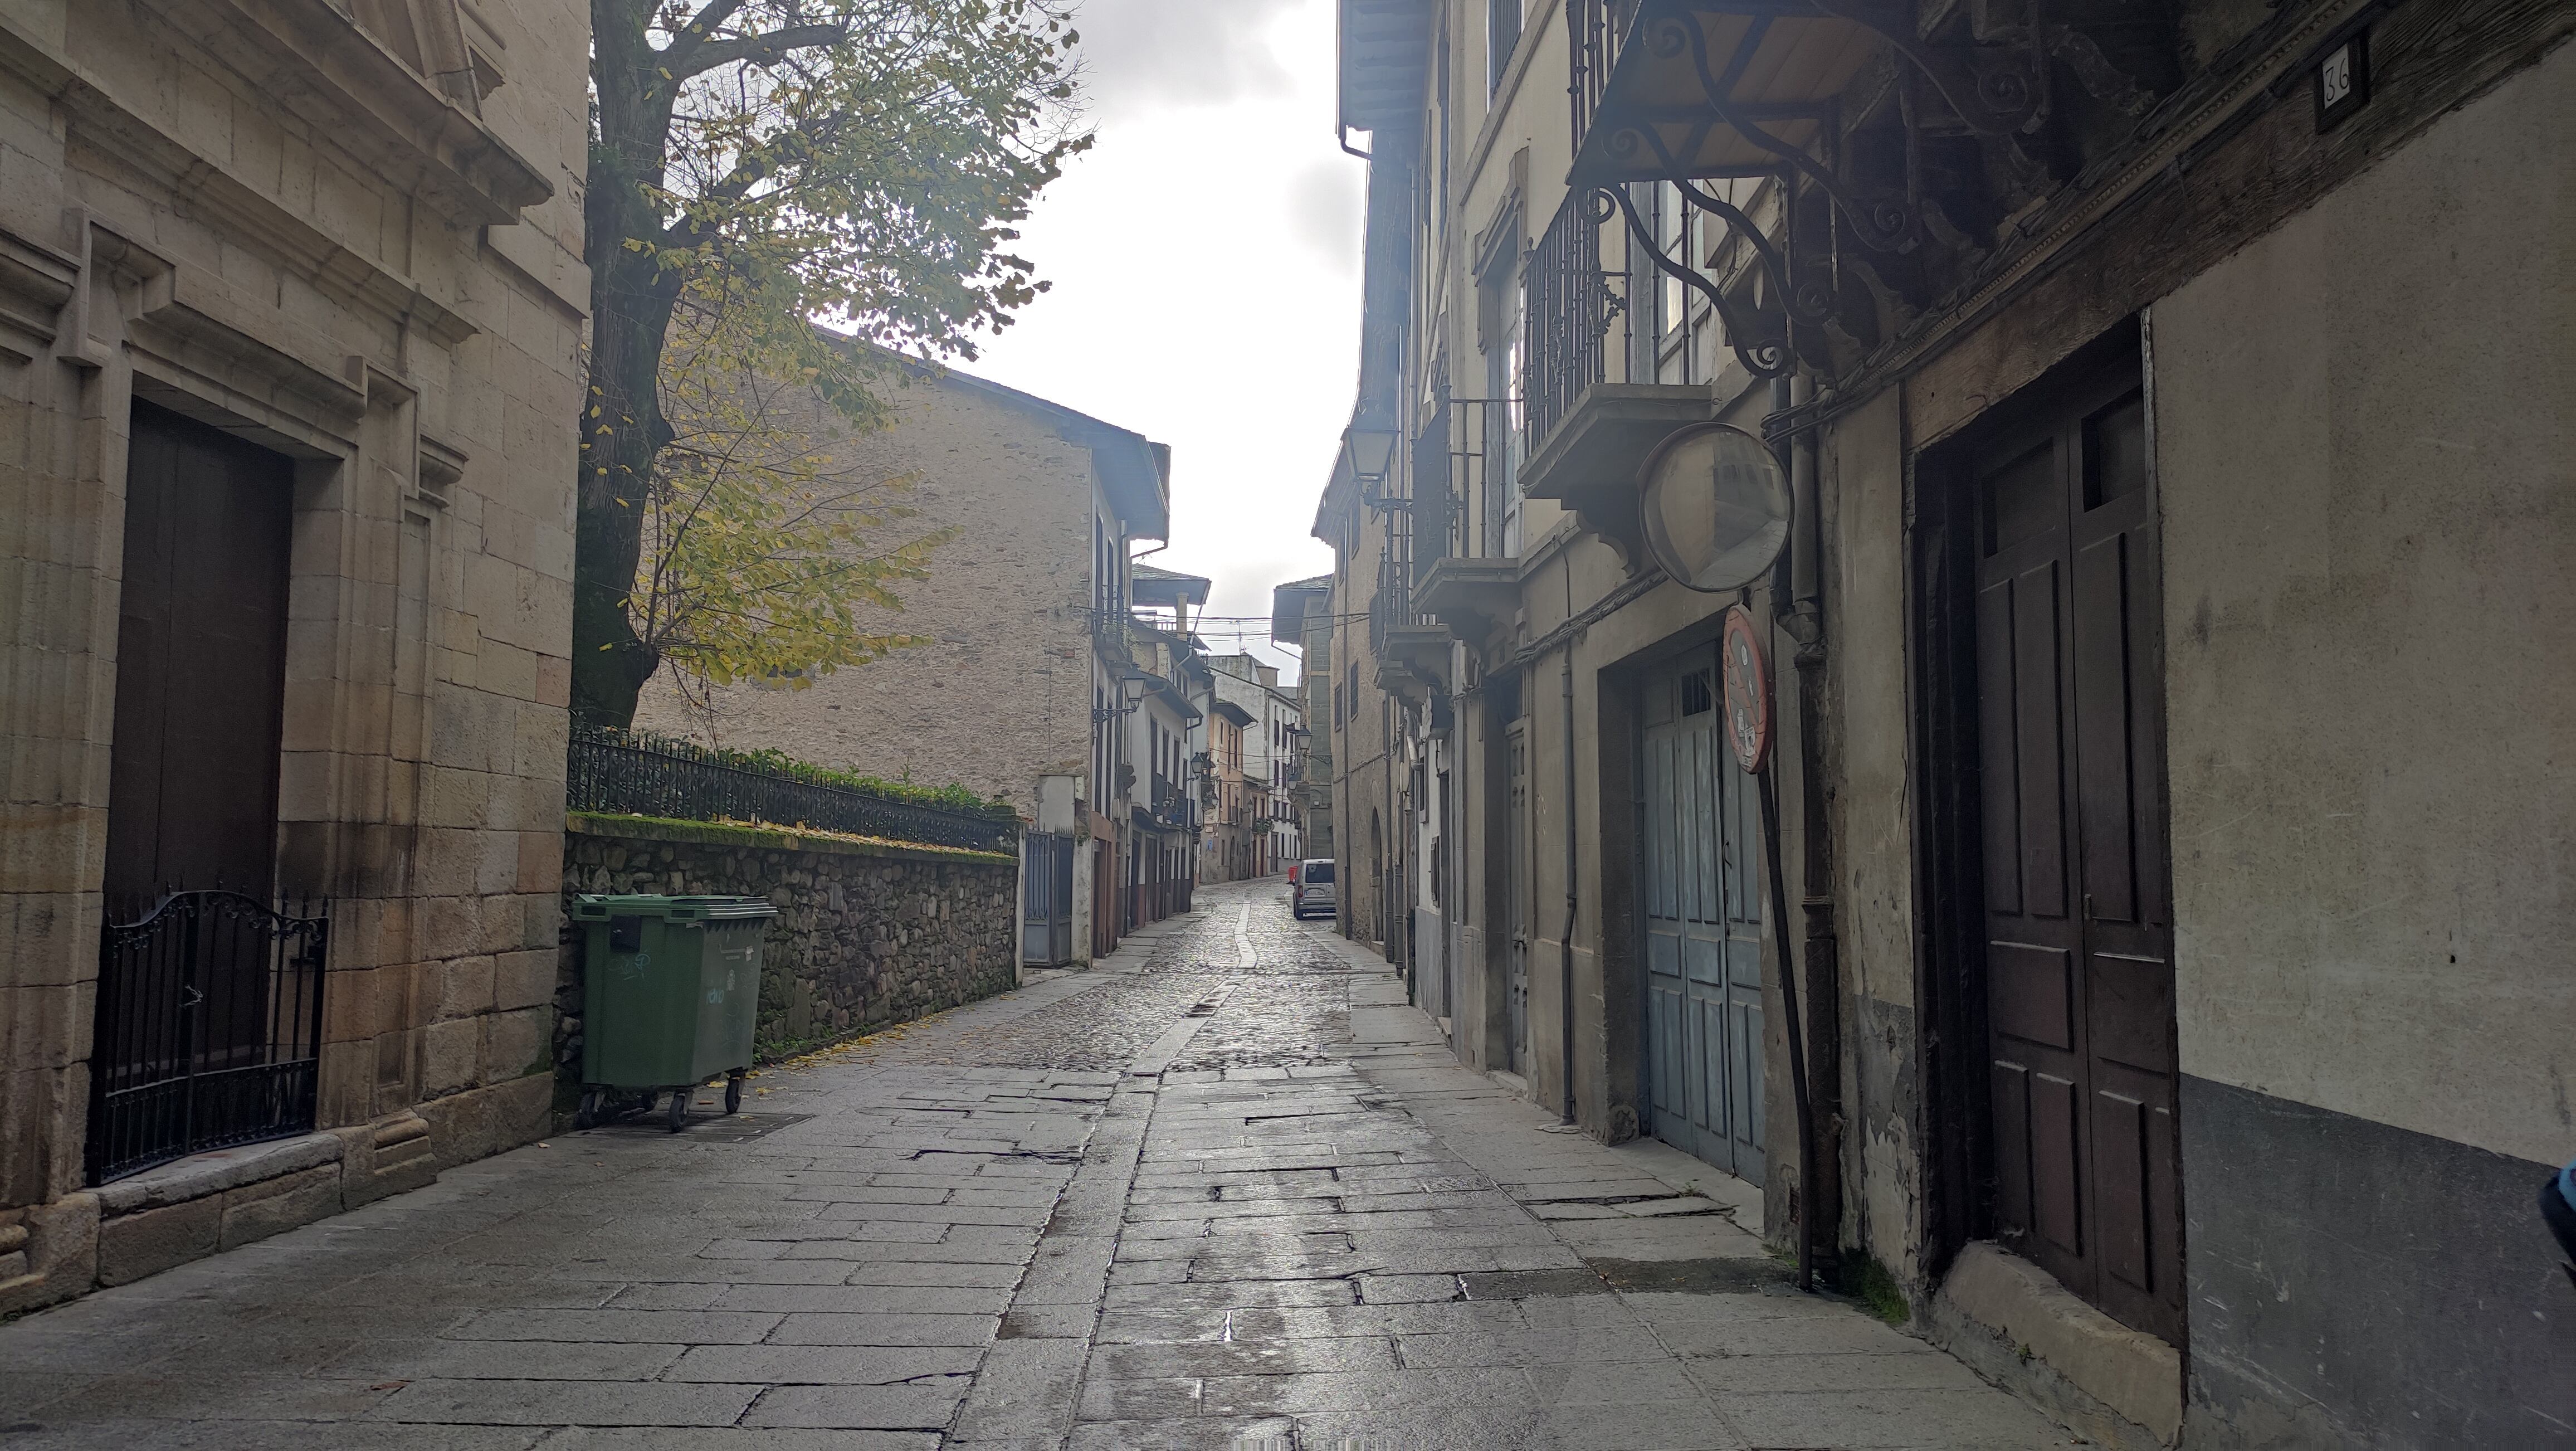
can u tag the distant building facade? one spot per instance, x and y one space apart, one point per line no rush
1301 619
1019 696
1263 772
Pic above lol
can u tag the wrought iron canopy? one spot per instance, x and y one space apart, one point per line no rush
1715 88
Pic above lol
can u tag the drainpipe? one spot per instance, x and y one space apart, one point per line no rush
1801 612
1565 944
1824 960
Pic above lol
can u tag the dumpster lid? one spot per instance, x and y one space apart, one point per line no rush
591 907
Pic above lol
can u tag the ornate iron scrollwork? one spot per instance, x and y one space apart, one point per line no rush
1763 357
1806 305
1883 223
1997 90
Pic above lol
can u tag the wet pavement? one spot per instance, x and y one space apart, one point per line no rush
1225 1190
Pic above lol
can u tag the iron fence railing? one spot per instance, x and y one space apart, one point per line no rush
636 774
209 1028
1577 317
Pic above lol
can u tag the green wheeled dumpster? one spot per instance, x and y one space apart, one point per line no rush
670 988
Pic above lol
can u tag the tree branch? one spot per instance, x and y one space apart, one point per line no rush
705 55
692 35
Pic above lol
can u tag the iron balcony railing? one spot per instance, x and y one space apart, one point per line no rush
1598 29
1172 805
629 773
1576 320
1463 462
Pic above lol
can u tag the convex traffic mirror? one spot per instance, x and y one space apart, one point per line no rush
1716 506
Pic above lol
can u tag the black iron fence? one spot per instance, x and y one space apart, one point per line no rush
630 773
209 1028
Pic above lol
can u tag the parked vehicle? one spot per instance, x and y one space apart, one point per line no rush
1310 888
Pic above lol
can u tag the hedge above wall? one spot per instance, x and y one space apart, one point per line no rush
868 933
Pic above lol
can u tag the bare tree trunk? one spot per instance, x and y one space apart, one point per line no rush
623 432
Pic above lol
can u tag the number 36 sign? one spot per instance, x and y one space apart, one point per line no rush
1748 691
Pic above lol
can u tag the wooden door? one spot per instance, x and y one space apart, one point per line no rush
192 765
200 663
1516 1046
1703 926
2078 929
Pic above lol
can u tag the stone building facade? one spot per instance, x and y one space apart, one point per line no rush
867 933
1300 618
291 314
1021 608
2163 819
1271 728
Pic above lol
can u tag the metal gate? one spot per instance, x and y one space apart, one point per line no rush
1046 918
1703 894
209 1030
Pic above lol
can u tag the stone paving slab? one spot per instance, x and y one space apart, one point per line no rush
1225 1190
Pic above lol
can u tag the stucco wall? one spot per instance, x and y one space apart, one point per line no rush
1861 475
2362 438
1003 694
2362 425
866 934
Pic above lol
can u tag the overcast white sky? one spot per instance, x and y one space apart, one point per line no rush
1205 256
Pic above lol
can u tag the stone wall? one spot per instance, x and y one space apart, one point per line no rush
868 933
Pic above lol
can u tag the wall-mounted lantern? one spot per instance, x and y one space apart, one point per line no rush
1369 449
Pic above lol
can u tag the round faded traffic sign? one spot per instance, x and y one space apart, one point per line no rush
1748 690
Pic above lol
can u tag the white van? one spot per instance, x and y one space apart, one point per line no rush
1310 888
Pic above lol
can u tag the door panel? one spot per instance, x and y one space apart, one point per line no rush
1999 748
2078 959
2039 764
2056 1159
2107 805
2011 1107
2034 994
1703 927
2120 1133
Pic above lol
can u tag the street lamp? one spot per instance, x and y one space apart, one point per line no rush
1131 694
1369 449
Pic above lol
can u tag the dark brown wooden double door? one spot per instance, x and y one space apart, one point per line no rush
2078 925
200 663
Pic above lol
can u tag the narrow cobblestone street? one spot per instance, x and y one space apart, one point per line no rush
1228 1189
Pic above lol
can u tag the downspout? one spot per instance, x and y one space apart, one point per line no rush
1565 943
1824 964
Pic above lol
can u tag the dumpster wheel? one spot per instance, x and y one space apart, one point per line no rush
679 1108
588 1116
733 1095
